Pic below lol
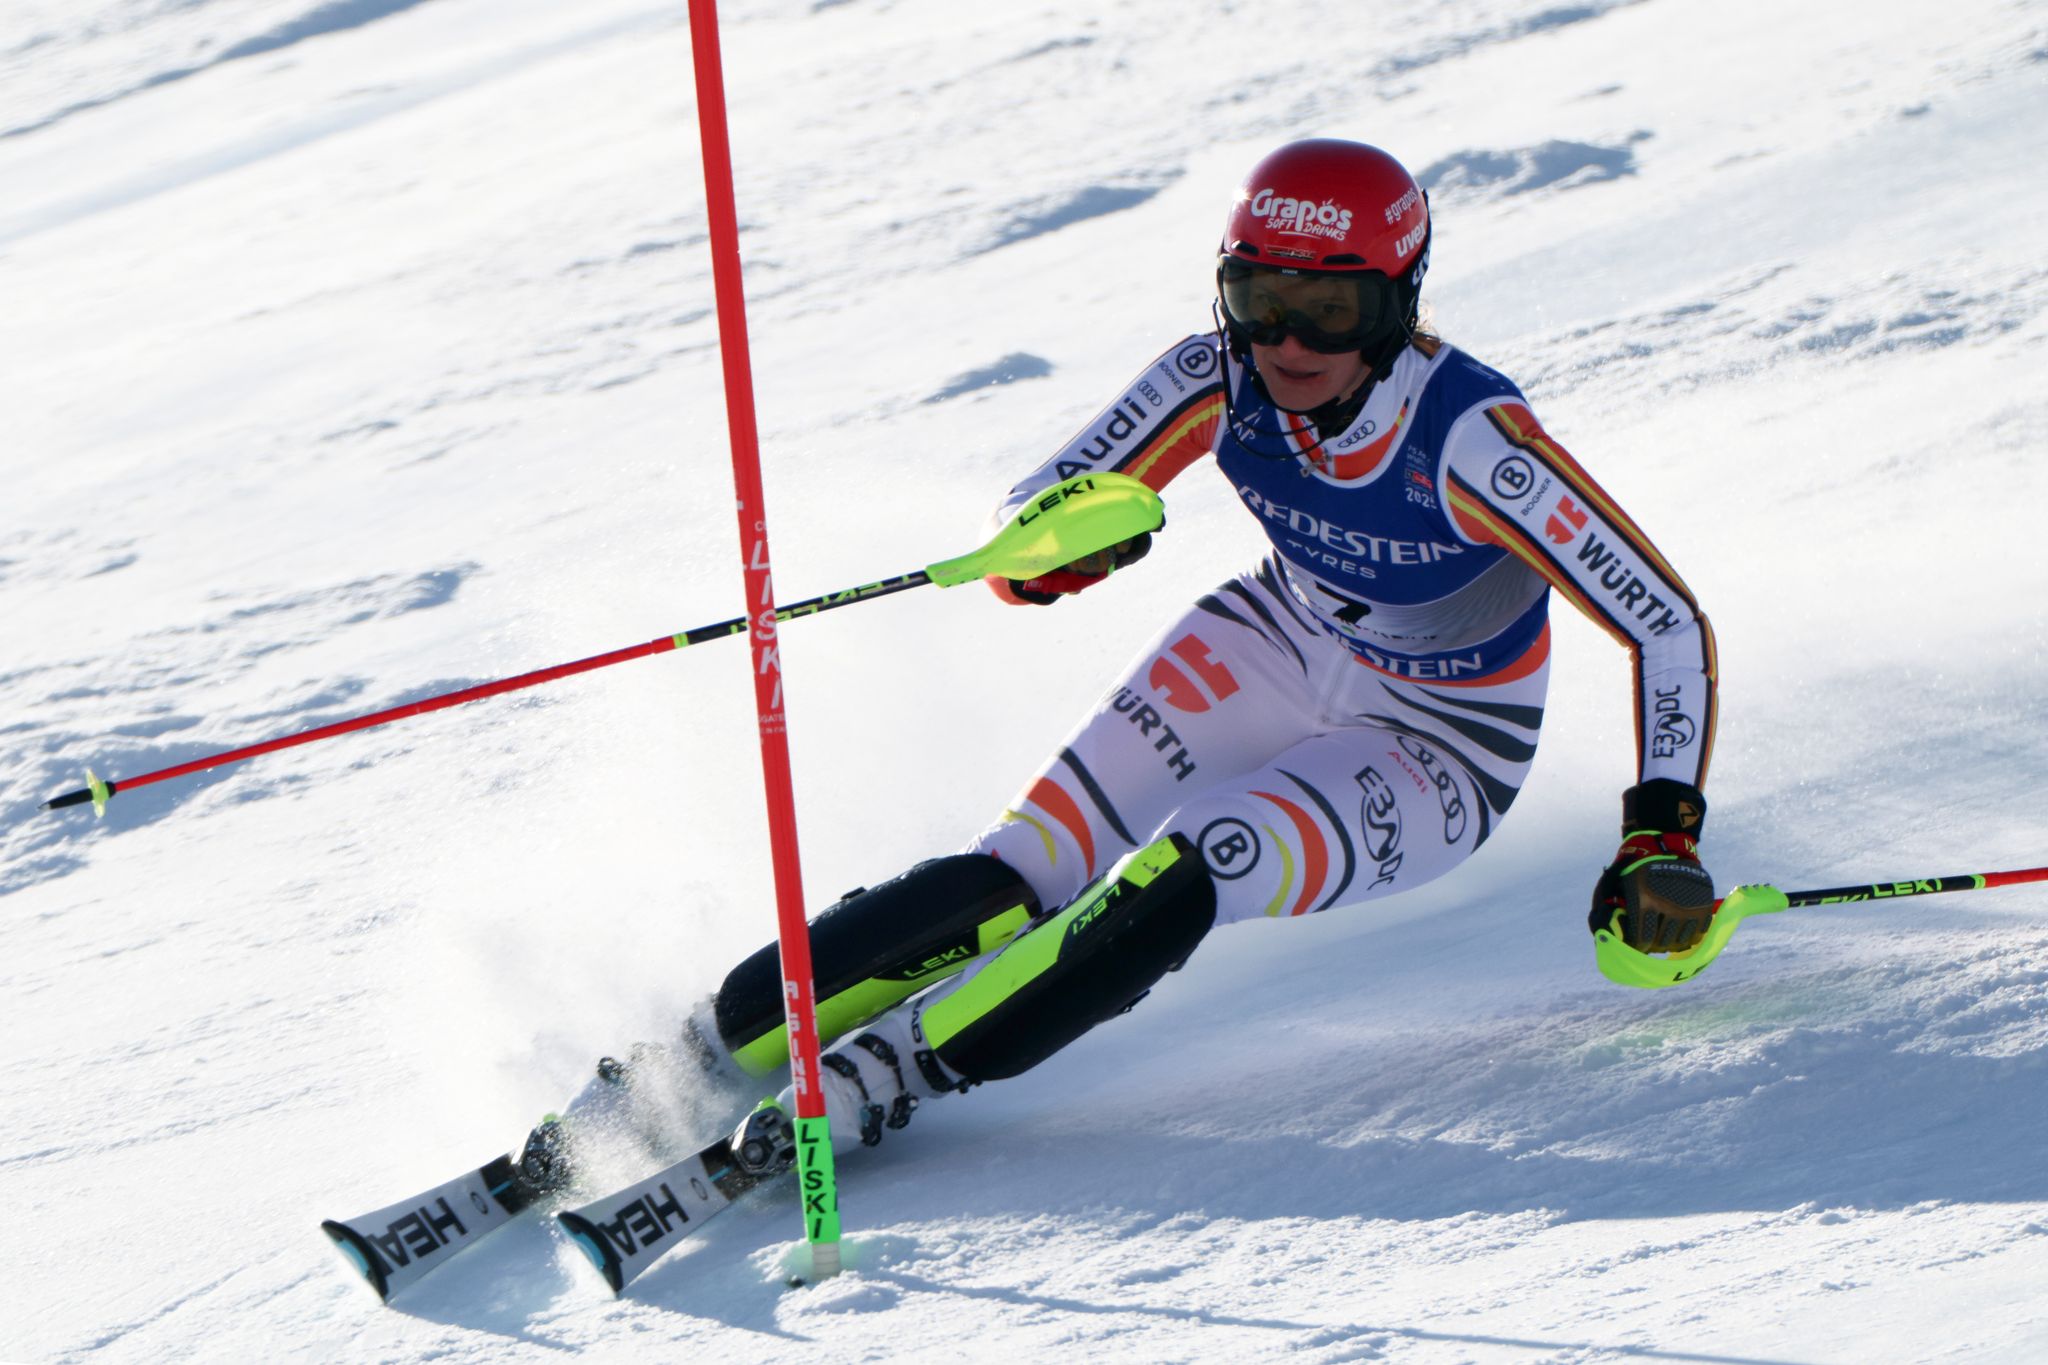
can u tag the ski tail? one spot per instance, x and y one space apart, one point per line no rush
394 1247
357 1251
591 1241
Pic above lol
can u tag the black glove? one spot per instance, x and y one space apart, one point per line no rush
1085 572
1655 894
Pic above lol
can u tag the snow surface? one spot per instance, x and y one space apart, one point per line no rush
354 350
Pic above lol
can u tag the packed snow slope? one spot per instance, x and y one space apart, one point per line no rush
354 351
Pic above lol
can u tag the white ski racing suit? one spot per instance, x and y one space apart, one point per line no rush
1353 716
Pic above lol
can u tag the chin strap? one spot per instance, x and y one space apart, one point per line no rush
1341 414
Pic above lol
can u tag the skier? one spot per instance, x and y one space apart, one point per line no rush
1347 720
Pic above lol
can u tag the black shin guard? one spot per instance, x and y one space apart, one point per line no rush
1090 962
875 948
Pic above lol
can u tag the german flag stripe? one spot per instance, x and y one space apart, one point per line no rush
1297 432
1050 797
1518 426
1343 840
1186 435
1052 849
1273 906
1635 696
1473 530
1467 502
1713 716
1315 852
1296 428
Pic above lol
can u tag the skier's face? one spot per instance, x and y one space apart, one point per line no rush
1299 379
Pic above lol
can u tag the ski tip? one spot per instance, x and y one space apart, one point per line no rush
358 1253
593 1244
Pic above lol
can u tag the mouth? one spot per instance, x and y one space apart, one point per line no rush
1294 375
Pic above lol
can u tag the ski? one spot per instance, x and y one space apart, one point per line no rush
395 1247
628 1230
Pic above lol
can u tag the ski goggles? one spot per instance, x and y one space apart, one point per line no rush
1327 311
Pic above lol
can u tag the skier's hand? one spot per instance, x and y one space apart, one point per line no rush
1655 894
1082 573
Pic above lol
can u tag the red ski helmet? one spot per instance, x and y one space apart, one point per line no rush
1326 207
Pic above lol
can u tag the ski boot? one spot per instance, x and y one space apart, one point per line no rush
872 1083
765 1142
544 1163
648 1106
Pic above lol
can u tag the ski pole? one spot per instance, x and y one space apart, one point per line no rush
1627 966
1068 521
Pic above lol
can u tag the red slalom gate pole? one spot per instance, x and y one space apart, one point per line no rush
813 1138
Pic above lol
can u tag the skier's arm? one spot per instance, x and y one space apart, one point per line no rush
1165 420
1508 484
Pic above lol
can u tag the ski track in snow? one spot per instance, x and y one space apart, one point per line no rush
358 108
1476 176
153 46
1761 324
366 351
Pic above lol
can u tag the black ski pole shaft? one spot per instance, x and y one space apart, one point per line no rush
1928 886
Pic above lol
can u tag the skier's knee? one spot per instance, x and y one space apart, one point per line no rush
876 947
1089 962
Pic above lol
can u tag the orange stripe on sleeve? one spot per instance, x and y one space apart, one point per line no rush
1179 446
1471 526
1509 536
1521 429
